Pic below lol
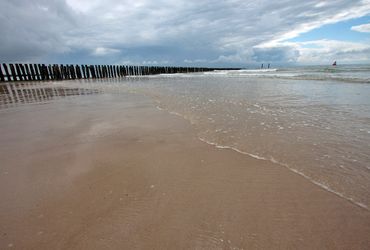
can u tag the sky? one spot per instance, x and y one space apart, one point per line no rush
230 33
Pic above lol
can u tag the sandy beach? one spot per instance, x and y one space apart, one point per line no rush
92 172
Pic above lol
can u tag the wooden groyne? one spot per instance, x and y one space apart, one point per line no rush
42 72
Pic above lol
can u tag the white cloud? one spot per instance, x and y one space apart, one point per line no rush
195 61
326 51
361 28
101 51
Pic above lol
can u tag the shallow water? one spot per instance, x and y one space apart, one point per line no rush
318 128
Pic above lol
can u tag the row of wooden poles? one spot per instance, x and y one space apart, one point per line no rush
42 72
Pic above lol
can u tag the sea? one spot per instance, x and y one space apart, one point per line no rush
311 120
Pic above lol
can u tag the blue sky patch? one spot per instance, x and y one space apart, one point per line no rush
338 31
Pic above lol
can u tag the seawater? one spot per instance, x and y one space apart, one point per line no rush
314 120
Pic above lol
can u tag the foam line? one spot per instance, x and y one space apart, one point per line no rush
323 186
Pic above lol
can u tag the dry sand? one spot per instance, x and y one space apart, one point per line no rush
95 173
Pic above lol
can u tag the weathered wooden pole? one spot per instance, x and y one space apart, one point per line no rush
110 71
87 73
2 78
33 76
36 73
51 72
40 72
63 71
6 72
100 71
73 72
45 69
28 72
78 72
23 71
14 74
83 72
92 69
19 73
116 71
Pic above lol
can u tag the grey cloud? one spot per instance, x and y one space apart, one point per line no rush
33 29
275 54
218 32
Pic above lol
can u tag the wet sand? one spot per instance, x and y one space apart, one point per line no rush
113 172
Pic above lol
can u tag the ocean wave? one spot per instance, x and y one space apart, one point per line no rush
274 73
272 160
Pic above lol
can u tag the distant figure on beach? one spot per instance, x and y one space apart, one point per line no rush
334 63
268 66
262 66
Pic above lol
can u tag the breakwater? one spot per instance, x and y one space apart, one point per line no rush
43 72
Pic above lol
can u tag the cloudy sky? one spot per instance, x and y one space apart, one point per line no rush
185 32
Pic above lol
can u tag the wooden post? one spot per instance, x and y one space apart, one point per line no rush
87 71
46 73
33 77
56 71
69 71
19 73
23 72
96 71
39 70
78 72
116 73
36 72
14 75
37 76
100 71
6 72
51 72
2 78
112 71
62 72
73 73
28 73
107 73
66 72
92 69
83 72
107 70
103 72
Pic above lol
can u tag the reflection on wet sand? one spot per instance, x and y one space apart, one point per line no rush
13 94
